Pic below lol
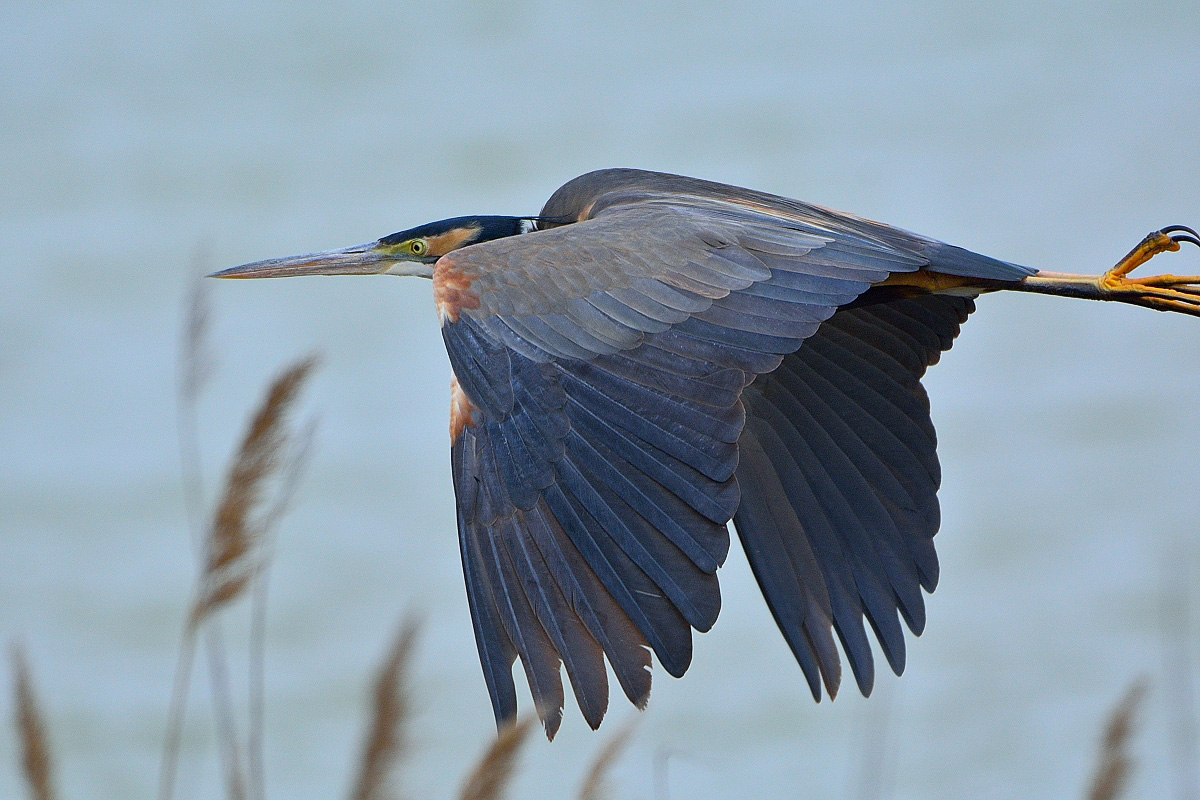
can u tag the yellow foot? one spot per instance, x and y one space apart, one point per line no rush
1162 292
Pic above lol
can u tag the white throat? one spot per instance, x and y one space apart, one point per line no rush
419 269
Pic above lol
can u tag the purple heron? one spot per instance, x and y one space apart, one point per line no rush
654 355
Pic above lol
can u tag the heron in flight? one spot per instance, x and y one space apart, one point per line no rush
653 356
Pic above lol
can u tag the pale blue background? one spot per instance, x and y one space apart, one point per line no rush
1053 134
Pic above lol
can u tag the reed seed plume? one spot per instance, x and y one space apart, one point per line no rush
31 732
234 554
232 550
388 741
494 771
595 783
1116 765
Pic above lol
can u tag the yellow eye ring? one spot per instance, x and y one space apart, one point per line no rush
418 247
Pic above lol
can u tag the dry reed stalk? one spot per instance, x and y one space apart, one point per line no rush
387 741
31 731
233 556
195 358
226 727
1116 765
233 545
492 774
196 367
595 783
297 460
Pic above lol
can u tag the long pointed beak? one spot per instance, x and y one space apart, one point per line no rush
362 259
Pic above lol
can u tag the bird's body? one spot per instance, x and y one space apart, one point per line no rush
654 356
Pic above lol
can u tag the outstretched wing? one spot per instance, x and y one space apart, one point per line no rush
600 371
839 477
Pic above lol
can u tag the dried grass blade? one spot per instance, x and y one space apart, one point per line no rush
31 731
387 741
495 770
232 547
595 783
1116 765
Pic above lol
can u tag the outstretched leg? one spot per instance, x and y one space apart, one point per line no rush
1161 292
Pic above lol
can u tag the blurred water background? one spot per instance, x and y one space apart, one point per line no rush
131 134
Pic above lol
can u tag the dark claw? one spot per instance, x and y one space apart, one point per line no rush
1183 228
1183 237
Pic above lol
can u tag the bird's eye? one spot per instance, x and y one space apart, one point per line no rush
418 247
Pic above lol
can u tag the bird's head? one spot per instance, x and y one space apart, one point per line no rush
410 252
